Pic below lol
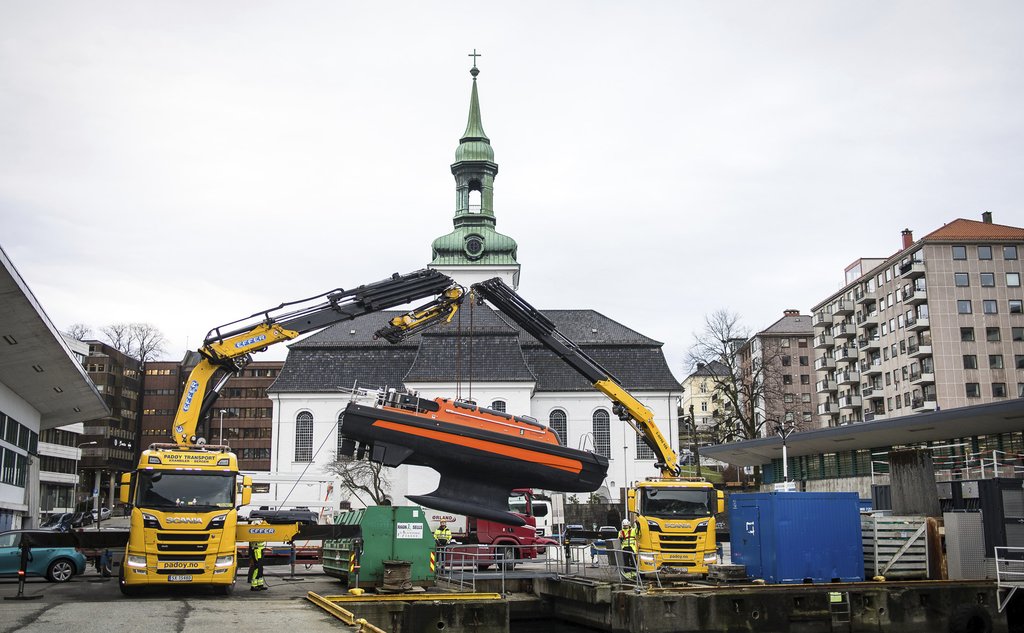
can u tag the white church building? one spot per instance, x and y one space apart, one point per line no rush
493 363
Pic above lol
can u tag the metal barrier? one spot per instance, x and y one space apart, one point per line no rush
464 566
1009 573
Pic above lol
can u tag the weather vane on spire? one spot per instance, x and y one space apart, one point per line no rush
474 71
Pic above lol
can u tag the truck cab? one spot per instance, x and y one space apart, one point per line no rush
676 523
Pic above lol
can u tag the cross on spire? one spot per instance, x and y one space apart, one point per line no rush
474 55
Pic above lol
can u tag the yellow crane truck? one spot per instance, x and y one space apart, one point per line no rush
674 515
184 496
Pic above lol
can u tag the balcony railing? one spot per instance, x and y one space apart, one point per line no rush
842 307
912 269
823 341
845 354
824 363
824 386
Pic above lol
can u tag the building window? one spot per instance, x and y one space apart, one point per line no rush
304 437
557 422
602 433
1013 280
989 306
963 306
973 390
959 252
1018 361
984 252
1020 389
784 342
498 405
961 280
970 361
341 421
805 379
805 397
988 280
787 379
787 398
704 406
967 334
992 335
801 342
804 361
1018 333
1009 252
1016 307
787 361
999 390
995 361
643 451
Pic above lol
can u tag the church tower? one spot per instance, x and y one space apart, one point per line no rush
474 251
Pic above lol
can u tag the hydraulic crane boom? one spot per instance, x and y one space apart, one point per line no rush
625 406
229 348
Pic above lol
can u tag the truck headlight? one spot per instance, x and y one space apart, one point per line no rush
217 522
646 558
711 557
136 561
225 561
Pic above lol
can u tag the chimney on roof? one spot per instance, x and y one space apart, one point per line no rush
908 238
700 366
791 312
986 217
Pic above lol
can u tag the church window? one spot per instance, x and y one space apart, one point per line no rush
304 437
643 451
341 420
557 422
498 405
474 200
602 433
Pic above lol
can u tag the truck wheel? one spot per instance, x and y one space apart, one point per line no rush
507 558
60 570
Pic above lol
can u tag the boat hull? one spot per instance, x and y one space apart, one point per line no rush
478 466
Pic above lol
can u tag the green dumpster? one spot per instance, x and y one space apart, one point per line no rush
389 533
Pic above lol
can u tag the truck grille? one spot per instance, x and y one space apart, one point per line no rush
678 542
188 536
181 547
180 557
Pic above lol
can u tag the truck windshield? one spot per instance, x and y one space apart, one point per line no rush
688 503
164 490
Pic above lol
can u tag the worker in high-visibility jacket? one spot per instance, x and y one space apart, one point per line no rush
442 536
256 551
627 539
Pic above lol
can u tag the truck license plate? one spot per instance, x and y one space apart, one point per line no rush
179 578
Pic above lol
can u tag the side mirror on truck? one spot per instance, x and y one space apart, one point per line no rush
721 501
246 490
631 500
126 488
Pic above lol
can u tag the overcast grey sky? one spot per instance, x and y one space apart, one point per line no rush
189 163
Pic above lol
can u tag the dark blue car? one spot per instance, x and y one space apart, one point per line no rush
57 564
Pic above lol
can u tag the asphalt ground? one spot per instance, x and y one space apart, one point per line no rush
91 603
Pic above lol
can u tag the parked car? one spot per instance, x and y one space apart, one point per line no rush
60 522
57 564
103 514
81 519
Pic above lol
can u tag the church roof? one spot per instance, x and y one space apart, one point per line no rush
497 352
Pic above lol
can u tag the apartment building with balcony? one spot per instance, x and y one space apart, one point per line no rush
937 325
781 359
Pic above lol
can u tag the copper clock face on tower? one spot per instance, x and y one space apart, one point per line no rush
474 246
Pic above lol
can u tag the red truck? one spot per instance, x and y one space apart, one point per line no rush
483 543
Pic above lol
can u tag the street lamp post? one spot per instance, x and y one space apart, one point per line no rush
784 430
221 433
78 453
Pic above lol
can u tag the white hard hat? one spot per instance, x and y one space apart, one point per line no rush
625 523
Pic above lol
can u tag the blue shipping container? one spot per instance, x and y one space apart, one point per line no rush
797 537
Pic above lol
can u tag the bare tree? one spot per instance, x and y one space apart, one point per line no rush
79 331
147 341
361 477
748 382
118 336
142 341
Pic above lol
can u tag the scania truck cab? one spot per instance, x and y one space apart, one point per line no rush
183 520
675 520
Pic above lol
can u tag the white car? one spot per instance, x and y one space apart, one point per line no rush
104 514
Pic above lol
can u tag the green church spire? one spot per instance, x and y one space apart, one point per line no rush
474 240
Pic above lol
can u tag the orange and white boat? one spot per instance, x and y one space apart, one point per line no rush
481 454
